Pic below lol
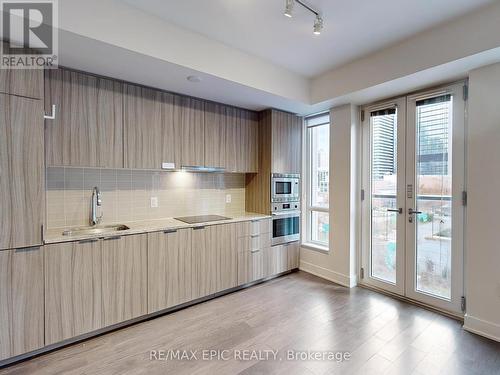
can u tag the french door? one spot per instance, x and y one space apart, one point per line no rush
412 212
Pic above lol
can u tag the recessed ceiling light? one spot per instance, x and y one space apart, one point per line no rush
289 8
194 79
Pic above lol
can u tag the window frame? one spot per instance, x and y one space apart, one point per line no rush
307 240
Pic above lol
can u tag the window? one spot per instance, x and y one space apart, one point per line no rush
317 180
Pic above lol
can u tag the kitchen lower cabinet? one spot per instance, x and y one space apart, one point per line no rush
21 301
124 278
293 251
205 252
73 289
250 266
226 255
275 260
22 172
171 268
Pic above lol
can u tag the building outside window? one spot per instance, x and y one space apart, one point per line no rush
317 180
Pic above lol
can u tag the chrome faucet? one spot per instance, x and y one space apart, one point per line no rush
96 202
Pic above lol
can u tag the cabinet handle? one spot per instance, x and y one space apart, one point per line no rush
198 228
254 251
89 240
52 115
112 238
170 231
254 235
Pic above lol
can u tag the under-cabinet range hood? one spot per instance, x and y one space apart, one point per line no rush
195 168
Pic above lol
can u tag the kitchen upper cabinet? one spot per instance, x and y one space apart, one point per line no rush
151 128
249 142
215 135
73 289
286 142
124 278
233 136
21 301
191 117
241 140
22 172
88 128
21 82
171 269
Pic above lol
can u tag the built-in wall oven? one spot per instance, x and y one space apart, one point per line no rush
285 187
286 222
286 227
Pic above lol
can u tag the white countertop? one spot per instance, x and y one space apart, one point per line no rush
56 235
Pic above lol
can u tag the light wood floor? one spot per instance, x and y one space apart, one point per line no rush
295 312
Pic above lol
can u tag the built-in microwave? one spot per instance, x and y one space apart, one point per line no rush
286 227
285 187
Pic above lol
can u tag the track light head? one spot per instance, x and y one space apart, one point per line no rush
318 25
289 8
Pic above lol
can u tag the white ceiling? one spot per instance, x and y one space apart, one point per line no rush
353 28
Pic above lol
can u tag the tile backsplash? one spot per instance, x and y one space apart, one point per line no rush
126 194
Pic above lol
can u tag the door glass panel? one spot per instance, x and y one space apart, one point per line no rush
433 196
384 192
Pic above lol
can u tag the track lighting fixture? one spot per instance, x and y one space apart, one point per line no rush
318 25
318 21
289 7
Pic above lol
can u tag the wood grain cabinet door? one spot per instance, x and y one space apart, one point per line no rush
73 289
227 256
21 82
248 142
142 121
124 278
170 269
233 136
22 197
293 251
205 253
286 142
275 260
21 301
215 135
190 114
250 266
88 128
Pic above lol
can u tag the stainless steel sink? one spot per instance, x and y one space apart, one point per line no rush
94 230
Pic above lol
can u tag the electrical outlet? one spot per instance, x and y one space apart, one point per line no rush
228 198
154 202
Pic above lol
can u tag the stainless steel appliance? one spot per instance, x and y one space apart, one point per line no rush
201 219
286 227
285 187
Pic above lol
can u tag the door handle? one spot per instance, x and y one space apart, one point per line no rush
411 211
398 210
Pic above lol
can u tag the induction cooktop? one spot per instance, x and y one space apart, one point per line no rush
201 219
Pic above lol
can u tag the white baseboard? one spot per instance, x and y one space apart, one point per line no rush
482 327
329 275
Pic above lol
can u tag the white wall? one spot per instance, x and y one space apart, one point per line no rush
482 274
339 264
